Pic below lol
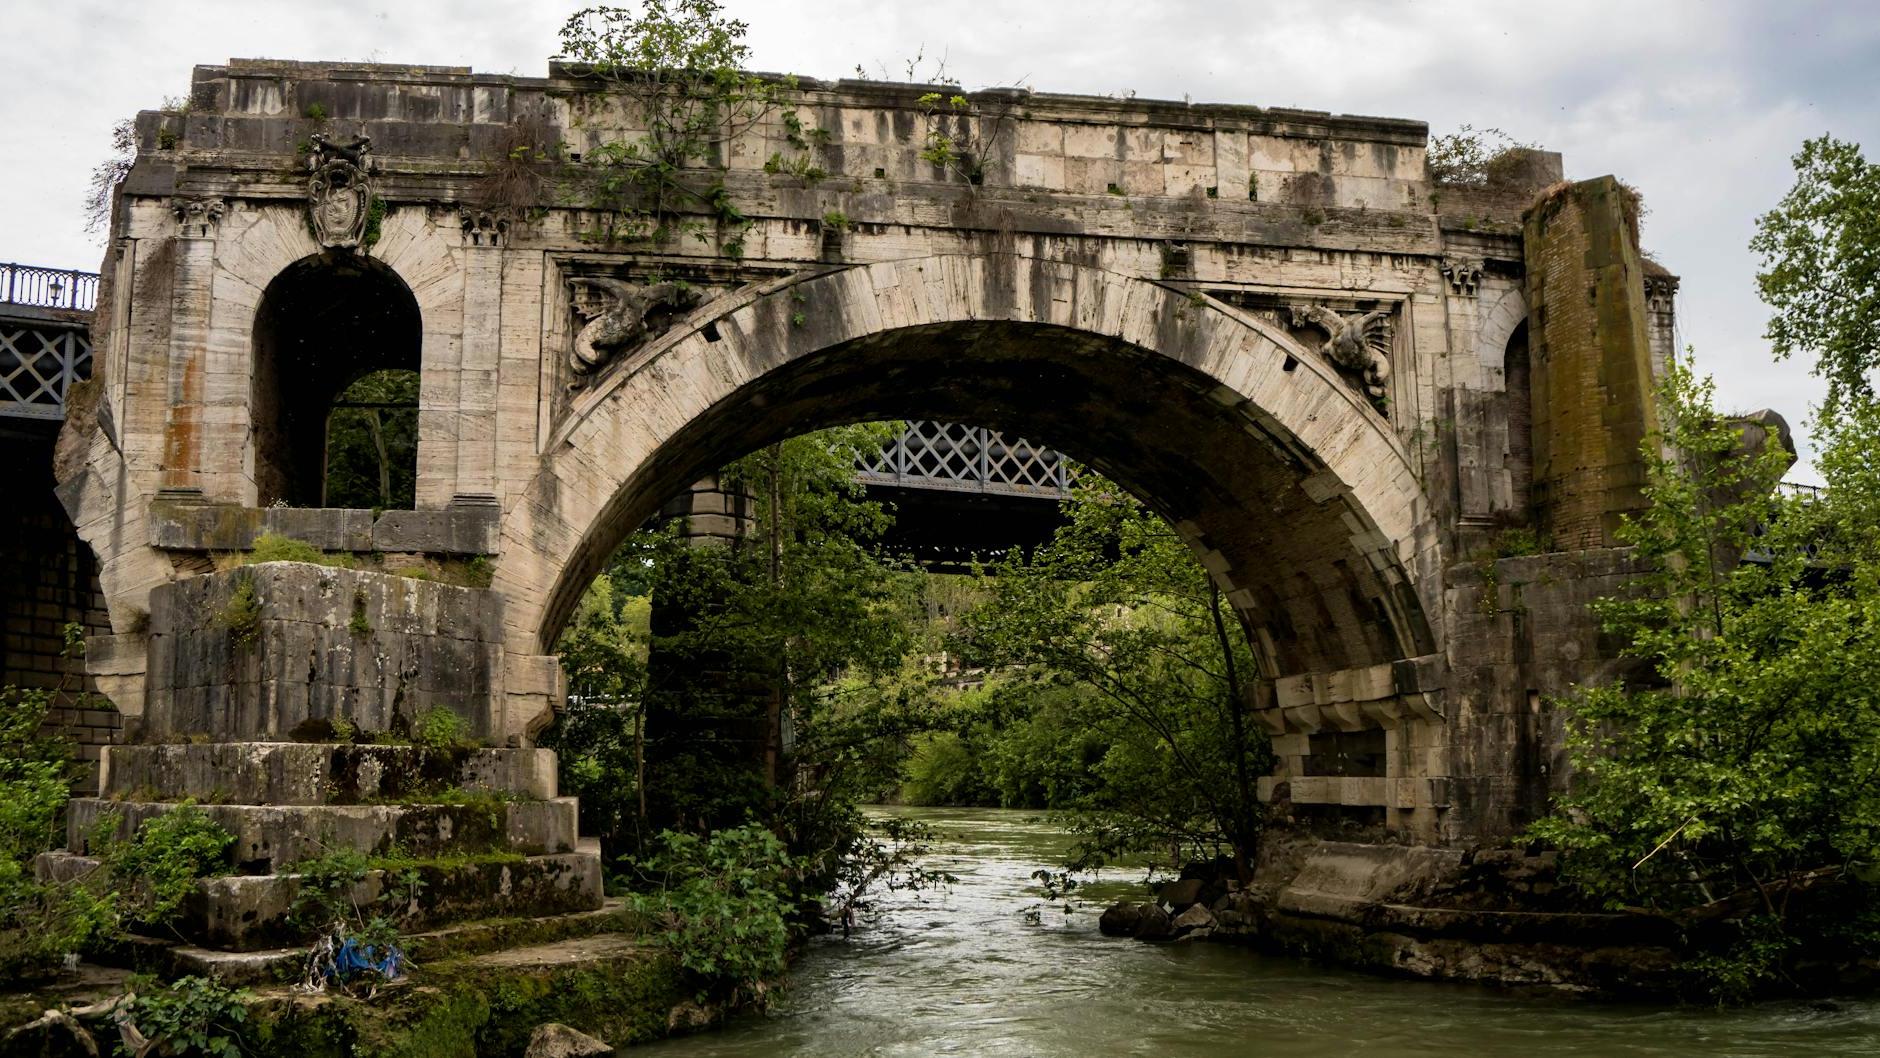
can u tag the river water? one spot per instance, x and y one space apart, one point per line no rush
969 972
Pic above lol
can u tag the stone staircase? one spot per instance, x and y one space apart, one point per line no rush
483 829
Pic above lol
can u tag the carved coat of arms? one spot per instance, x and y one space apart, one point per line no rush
339 193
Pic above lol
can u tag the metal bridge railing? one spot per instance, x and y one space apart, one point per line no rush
43 354
48 288
949 456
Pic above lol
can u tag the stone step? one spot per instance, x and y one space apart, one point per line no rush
253 912
465 939
311 773
272 838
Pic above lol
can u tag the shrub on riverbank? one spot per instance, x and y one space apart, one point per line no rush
1735 785
1022 747
39 922
724 903
141 880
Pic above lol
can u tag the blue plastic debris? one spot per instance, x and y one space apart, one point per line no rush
353 958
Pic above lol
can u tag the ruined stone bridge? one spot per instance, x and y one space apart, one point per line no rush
1346 386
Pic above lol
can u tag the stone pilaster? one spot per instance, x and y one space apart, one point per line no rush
191 304
478 368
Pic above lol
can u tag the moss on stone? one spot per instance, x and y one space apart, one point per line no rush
466 1009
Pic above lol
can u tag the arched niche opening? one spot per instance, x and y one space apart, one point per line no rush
337 341
1519 461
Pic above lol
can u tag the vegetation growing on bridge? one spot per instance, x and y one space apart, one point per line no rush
140 881
679 64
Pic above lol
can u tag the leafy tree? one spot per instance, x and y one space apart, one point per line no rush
803 634
1737 779
945 769
372 443
1117 607
1024 746
1820 252
1470 155
779 680
107 175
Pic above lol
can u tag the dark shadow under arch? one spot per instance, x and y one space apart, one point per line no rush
1162 429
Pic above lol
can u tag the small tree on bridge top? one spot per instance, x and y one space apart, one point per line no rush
679 63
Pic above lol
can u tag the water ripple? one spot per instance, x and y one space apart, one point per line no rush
965 974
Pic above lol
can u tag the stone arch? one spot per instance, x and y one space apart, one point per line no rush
1503 308
1295 492
257 243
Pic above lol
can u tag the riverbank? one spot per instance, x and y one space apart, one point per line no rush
479 989
1483 916
991 967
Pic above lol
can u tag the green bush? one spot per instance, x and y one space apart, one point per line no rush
241 615
158 867
944 770
725 901
194 1015
440 728
38 922
273 547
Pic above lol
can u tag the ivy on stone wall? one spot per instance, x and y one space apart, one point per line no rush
677 65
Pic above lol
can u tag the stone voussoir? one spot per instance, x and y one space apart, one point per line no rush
310 773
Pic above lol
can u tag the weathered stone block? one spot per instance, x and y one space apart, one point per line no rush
249 912
308 773
286 649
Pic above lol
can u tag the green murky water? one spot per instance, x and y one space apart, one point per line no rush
965 973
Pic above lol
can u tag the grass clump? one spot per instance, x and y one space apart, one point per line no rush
241 615
359 625
440 728
273 547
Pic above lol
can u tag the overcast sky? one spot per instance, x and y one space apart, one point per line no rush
1697 103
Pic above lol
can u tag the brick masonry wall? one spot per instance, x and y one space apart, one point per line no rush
1591 362
48 580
